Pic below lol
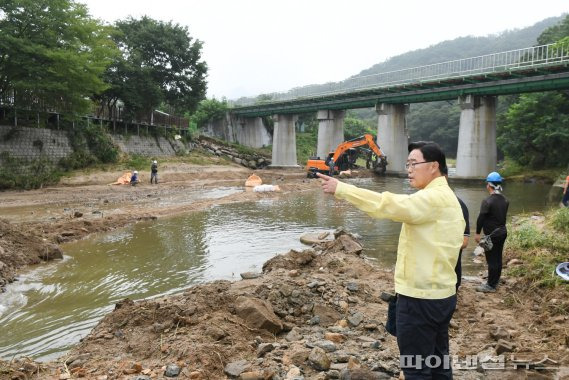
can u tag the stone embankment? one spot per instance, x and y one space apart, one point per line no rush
249 160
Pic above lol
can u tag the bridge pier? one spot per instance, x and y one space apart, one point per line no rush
284 141
330 131
476 155
250 131
392 135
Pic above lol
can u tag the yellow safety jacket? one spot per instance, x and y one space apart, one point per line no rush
430 238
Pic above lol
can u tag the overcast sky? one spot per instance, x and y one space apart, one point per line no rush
260 46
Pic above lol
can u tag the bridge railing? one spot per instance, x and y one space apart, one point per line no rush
507 61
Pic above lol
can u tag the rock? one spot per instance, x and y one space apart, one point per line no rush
355 319
296 355
264 348
307 308
335 337
294 335
51 252
293 373
235 369
258 314
141 377
503 346
293 273
30 367
72 359
326 345
499 333
328 315
514 262
77 214
253 375
352 286
362 374
215 333
318 359
314 320
350 245
302 258
77 363
250 275
312 238
333 374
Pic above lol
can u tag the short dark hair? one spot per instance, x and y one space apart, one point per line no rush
432 152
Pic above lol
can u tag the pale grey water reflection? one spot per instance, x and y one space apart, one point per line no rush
53 306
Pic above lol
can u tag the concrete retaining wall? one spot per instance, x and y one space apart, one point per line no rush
34 143
52 145
148 146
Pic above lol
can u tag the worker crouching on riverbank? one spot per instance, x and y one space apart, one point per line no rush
430 239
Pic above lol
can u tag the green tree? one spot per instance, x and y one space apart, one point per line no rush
208 110
554 33
160 64
536 132
52 54
354 127
438 122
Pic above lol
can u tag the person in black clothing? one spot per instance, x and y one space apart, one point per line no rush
492 220
465 215
458 268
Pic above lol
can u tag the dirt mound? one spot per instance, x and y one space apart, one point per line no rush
20 247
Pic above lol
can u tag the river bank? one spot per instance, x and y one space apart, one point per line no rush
312 314
321 295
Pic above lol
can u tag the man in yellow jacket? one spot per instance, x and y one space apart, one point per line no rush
429 242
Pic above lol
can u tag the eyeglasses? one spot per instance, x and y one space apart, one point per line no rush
412 164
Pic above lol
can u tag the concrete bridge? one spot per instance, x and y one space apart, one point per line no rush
475 82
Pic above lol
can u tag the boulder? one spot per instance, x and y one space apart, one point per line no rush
258 314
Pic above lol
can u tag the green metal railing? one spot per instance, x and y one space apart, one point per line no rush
520 60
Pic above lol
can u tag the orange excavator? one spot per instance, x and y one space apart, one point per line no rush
345 156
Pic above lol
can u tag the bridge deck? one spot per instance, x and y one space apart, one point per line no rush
540 68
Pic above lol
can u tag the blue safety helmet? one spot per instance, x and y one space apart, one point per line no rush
494 177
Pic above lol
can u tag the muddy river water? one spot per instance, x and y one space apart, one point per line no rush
52 306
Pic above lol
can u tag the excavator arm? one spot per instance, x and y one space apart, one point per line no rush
340 159
365 140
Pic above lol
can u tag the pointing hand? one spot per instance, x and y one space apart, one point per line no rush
329 184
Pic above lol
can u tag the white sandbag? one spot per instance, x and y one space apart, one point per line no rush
266 188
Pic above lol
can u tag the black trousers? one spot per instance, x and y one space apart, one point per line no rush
565 199
494 260
458 270
422 337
